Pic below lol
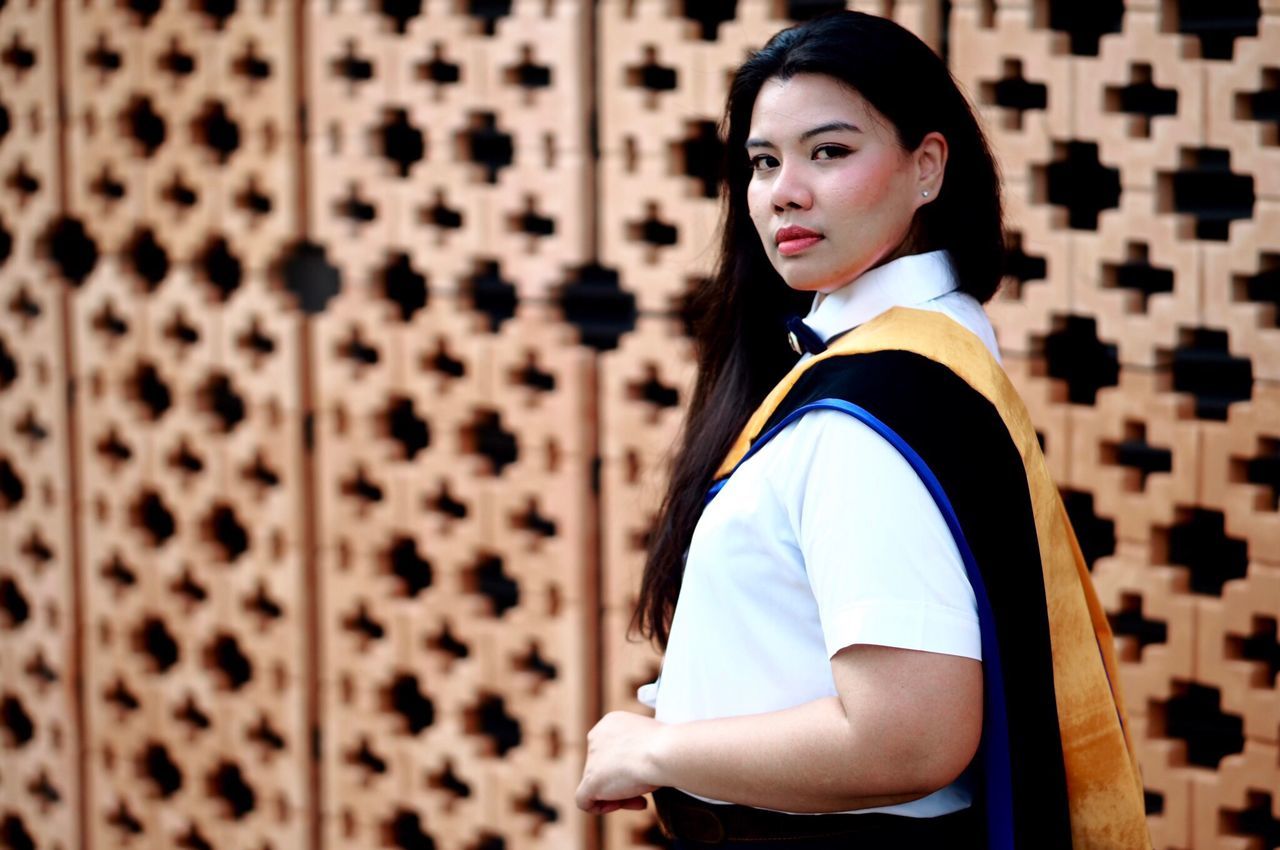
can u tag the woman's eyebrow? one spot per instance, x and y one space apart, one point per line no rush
824 128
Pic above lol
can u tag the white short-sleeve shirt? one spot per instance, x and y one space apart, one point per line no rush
824 538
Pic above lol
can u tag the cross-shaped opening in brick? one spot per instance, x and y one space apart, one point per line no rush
1140 458
1014 93
1137 275
1141 99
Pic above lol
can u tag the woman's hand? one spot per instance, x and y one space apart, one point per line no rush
619 767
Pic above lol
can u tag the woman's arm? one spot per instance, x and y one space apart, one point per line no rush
905 724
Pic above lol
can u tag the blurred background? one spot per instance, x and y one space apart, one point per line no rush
342 351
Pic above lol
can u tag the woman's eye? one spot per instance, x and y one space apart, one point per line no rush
834 151
764 160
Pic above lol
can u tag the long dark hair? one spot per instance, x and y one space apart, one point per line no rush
737 317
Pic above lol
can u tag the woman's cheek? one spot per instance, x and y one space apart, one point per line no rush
862 188
755 208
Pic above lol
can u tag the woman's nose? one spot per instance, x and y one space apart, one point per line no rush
790 190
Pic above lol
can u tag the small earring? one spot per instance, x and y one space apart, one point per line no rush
925 193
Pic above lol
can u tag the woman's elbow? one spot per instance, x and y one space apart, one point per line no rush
945 767
940 734
906 758
943 755
916 716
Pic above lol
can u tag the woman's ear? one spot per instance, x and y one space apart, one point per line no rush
931 164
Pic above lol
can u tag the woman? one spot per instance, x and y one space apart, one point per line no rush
885 634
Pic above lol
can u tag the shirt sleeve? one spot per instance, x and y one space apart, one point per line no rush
878 555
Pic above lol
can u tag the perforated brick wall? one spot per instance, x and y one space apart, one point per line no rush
40 735
342 360
1139 146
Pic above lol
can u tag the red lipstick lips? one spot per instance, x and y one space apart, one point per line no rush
793 239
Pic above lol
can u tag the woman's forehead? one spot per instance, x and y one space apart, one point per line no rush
790 107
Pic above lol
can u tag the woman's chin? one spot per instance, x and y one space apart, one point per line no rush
808 283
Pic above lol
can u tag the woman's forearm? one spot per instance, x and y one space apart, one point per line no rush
807 758
906 723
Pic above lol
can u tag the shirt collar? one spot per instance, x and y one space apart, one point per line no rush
904 282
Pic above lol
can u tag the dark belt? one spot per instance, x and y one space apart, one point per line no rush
688 818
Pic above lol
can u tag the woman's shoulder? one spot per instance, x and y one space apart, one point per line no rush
970 314
825 436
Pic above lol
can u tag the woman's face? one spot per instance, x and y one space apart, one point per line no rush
825 160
